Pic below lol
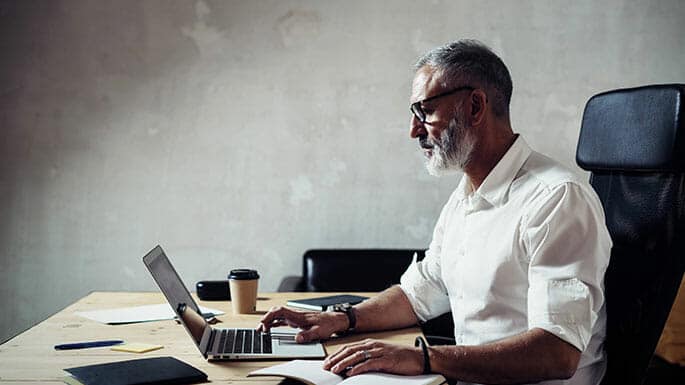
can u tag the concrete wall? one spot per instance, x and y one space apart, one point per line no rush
240 133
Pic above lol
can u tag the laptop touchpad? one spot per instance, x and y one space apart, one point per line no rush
284 347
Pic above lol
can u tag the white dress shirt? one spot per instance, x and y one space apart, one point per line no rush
528 249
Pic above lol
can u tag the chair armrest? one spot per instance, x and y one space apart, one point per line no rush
291 283
439 327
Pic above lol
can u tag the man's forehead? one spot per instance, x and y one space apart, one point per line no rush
427 80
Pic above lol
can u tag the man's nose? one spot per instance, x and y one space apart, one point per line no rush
416 128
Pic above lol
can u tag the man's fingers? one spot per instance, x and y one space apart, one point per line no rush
279 322
313 333
348 361
278 316
307 335
265 328
345 351
354 356
377 364
273 313
334 358
376 356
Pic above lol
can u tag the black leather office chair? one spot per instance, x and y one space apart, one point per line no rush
349 270
633 142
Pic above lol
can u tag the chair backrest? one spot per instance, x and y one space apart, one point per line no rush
355 269
349 270
633 142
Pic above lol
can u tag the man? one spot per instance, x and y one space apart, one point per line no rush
518 253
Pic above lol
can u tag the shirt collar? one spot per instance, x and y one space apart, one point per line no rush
496 184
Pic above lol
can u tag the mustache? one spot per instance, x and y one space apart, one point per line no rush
426 143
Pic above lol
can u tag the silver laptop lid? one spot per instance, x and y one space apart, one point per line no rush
177 294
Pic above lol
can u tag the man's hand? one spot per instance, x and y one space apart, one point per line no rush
375 356
315 325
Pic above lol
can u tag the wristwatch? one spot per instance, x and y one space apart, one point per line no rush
351 317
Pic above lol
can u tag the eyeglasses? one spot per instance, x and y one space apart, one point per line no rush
417 108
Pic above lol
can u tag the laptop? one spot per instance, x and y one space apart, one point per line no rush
223 344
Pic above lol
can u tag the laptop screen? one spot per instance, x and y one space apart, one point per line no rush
176 293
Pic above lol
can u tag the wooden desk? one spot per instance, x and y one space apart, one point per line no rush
30 357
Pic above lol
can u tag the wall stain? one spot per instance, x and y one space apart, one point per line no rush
207 39
298 26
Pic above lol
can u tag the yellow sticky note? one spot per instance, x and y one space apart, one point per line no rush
136 347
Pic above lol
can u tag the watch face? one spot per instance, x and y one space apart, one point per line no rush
341 307
347 309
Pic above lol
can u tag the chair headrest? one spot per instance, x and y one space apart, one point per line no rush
634 129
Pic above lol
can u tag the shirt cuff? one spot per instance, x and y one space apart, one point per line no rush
426 298
563 308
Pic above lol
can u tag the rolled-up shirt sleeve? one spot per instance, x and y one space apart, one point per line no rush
422 282
569 249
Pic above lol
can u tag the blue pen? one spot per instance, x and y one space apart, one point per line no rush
84 345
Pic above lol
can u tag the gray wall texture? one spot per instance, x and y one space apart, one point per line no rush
241 133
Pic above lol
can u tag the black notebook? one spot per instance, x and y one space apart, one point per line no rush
322 303
159 370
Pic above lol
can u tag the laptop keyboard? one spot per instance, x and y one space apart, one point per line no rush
244 341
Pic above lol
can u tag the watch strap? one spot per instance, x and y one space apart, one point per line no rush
351 316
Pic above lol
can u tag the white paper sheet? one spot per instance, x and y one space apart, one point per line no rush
134 314
312 372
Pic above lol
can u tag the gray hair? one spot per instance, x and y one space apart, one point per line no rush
472 62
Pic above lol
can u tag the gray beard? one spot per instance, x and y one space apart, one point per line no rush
454 150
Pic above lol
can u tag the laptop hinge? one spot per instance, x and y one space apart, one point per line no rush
207 341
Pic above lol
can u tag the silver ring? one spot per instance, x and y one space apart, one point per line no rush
366 354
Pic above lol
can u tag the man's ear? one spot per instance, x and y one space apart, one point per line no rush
479 101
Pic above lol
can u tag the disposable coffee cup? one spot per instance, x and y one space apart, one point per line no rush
243 286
